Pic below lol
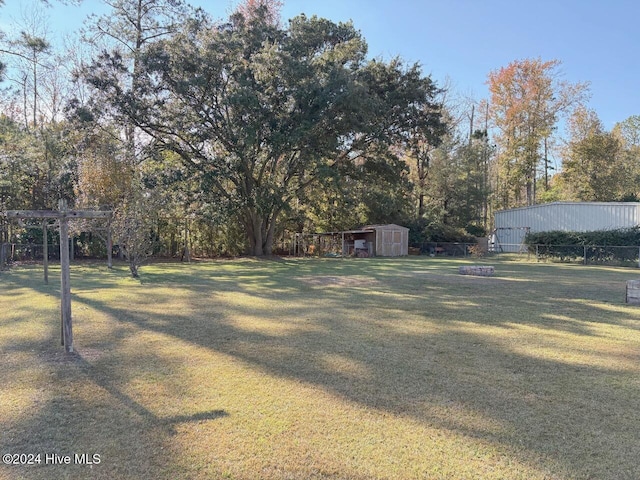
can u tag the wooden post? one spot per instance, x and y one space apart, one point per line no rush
109 249
65 281
45 252
63 215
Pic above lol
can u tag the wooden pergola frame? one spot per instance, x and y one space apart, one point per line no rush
63 215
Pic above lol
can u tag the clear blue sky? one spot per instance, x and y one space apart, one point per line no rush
596 41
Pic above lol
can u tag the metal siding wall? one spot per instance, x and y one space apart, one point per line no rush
510 240
571 216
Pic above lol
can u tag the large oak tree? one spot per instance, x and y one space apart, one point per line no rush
261 113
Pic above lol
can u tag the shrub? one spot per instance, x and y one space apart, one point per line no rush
568 245
447 234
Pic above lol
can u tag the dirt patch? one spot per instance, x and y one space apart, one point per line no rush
77 357
339 281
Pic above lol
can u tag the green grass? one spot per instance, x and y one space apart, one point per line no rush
324 368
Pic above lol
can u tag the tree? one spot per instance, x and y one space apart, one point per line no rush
455 187
134 225
2 65
10 51
593 165
449 171
105 178
30 54
629 131
34 47
111 161
527 98
374 191
17 177
42 147
131 25
251 9
262 113
419 146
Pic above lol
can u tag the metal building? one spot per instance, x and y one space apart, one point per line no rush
511 226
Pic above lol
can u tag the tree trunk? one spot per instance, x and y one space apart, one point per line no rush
253 225
133 267
268 244
260 231
186 251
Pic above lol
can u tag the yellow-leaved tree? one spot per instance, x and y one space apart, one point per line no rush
528 97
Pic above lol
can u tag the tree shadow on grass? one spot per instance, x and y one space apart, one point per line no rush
549 412
83 409
168 423
565 418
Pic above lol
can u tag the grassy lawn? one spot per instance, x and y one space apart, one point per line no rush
324 368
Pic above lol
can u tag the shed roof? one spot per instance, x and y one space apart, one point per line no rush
556 204
388 226
365 229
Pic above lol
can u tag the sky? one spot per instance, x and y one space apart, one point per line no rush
458 42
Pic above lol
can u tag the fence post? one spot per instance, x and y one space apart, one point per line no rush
45 251
585 254
65 281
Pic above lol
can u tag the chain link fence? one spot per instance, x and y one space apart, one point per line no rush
447 249
614 255
28 252
588 254
582 254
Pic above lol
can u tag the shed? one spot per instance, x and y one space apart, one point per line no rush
512 225
390 240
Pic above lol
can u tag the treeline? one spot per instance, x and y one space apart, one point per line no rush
230 136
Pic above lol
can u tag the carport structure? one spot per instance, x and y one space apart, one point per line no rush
389 240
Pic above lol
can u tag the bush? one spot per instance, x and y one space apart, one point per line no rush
626 237
420 232
447 234
570 245
476 230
